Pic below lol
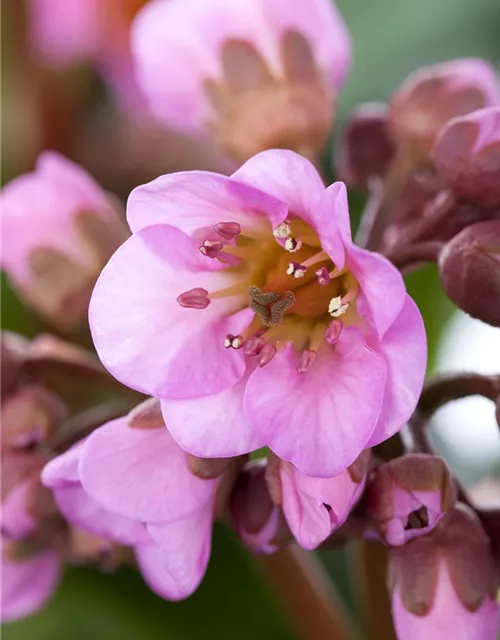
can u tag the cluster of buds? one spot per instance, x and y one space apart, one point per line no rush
267 342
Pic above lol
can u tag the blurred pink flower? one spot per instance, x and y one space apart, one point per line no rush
315 507
17 521
257 73
133 486
59 228
243 303
27 582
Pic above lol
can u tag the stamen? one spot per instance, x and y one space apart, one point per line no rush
194 299
307 358
228 258
228 230
321 256
211 248
254 345
323 276
233 342
267 354
337 307
292 245
332 334
283 230
296 270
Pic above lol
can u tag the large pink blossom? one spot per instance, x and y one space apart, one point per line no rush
133 486
244 305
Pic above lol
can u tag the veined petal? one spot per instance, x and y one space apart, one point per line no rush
404 348
191 200
141 474
321 420
145 338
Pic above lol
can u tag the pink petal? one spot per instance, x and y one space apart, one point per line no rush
192 200
382 286
62 472
448 617
333 223
320 420
28 584
183 551
404 348
141 333
140 474
17 521
213 426
79 509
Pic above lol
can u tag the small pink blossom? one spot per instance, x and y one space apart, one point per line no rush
223 396
256 73
58 228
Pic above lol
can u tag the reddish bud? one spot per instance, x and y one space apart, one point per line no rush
469 267
146 415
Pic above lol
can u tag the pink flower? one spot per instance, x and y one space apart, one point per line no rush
467 156
315 507
408 496
27 582
243 304
256 73
133 485
59 228
444 585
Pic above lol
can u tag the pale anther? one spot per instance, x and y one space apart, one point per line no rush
296 270
283 230
211 248
337 308
292 245
233 342
323 276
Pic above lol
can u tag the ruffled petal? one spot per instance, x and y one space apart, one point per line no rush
141 333
382 288
404 348
213 426
192 200
28 584
141 474
183 551
321 420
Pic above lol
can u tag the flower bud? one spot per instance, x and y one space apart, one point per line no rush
14 349
444 585
366 146
431 96
408 496
59 231
258 522
469 268
467 156
257 75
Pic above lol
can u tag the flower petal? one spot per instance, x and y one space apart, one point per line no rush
141 333
62 472
320 420
404 348
141 474
17 521
27 584
183 551
191 200
382 286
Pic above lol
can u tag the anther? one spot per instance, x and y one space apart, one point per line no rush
296 270
211 248
332 334
194 299
323 276
283 230
292 245
267 354
228 230
254 345
307 357
233 342
337 308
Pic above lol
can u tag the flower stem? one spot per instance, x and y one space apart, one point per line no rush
307 595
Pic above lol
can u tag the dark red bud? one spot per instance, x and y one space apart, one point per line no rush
469 268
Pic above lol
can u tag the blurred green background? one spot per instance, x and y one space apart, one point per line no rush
391 38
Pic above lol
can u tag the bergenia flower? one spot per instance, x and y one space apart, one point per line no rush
256 74
28 582
133 486
244 305
59 228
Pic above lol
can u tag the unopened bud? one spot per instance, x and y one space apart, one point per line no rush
146 415
467 156
431 96
408 496
367 147
14 350
445 582
469 268
59 231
